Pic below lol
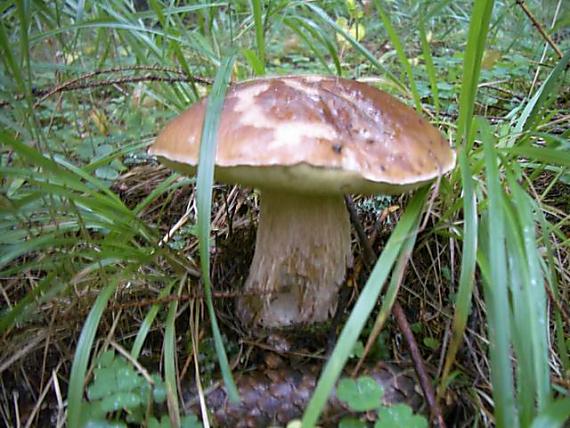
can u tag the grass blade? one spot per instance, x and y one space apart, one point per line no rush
391 294
496 292
81 359
170 359
554 416
259 32
530 113
204 182
430 68
147 323
468 263
363 307
542 154
395 39
297 23
533 299
478 28
357 46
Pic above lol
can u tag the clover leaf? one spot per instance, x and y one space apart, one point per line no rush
360 394
399 416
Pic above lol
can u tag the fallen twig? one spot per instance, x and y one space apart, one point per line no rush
538 26
86 81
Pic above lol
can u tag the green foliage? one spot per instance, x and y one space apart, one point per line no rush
119 393
349 335
398 416
205 180
348 422
67 233
361 394
365 394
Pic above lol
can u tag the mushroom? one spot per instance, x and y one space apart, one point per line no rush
304 142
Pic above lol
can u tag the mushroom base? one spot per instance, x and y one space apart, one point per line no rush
301 255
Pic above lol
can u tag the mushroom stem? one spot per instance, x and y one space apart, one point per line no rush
301 255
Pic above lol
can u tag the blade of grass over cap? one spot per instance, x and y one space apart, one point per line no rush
477 37
204 183
363 308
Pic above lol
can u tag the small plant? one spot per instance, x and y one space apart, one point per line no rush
364 394
119 395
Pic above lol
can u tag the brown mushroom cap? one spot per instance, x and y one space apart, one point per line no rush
312 134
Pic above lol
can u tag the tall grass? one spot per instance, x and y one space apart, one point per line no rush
60 221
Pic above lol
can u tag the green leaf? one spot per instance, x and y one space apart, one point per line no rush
107 173
128 379
360 394
159 392
357 350
190 421
105 383
122 400
153 423
106 359
102 423
431 343
351 423
399 416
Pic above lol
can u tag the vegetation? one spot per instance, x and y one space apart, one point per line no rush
101 248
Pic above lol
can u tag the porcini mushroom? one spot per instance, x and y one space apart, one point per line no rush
305 141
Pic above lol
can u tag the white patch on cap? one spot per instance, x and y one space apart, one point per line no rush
295 132
349 161
245 96
301 86
286 133
314 78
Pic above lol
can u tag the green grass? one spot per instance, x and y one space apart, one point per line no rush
405 231
204 184
71 236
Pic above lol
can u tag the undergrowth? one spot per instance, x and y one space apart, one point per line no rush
99 245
